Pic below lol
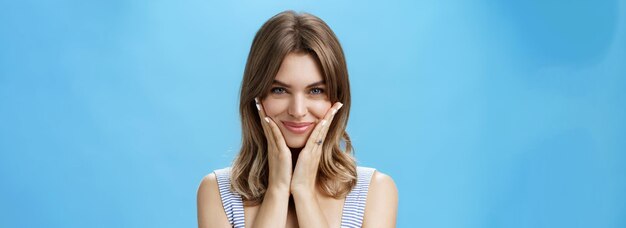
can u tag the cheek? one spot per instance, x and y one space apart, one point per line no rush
274 107
319 109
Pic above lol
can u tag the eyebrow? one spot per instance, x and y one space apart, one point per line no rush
311 85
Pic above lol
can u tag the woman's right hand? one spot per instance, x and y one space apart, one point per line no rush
278 154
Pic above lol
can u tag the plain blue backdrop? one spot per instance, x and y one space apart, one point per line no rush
486 113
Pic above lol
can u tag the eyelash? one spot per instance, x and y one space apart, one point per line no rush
273 90
320 89
283 90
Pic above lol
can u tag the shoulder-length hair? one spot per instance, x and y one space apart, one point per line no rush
289 32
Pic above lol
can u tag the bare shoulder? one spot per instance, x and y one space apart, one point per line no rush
210 210
382 183
381 207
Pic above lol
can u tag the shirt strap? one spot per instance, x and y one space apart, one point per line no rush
354 206
232 202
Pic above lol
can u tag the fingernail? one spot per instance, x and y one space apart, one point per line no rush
334 111
256 102
340 105
267 119
323 122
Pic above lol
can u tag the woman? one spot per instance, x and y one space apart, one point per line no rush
295 167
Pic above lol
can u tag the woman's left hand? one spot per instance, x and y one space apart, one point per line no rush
305 172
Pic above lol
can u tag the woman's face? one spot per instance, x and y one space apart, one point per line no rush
297 100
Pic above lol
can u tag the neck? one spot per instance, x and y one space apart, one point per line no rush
295 152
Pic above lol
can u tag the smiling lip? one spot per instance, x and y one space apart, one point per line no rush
297 128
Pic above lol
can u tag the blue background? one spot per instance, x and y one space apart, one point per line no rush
486 113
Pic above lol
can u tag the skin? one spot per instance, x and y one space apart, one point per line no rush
297 95
294 159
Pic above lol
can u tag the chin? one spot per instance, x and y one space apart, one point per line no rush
296 143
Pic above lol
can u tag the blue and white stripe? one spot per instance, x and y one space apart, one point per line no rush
353 207
233 205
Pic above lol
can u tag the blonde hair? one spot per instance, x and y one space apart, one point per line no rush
290 32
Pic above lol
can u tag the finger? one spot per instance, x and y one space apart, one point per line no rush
264 122
329 119
323 126
279 139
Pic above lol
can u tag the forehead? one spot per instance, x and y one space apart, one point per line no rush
299 69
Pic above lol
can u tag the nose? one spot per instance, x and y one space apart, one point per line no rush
298 107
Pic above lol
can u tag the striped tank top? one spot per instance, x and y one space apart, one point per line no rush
353 207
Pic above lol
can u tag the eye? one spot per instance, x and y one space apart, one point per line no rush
317 91
278 90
